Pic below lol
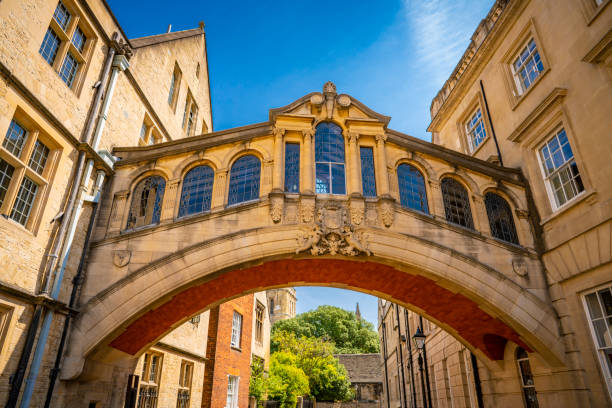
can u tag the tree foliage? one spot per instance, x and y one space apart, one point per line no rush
328 379
286 381
257 381
341 327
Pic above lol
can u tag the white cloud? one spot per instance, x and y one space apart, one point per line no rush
441 31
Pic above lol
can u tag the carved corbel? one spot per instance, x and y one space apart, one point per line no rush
357 210
307 208
277 205
386 210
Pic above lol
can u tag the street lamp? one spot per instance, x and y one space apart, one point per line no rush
419 342
419 339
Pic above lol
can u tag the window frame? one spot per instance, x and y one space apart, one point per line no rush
235 391
528 32
229 180
596 348
330 164
132 205
22 169
184 384
260 311
511 215
175 87
520 374
78 20
237 318
299 173
145 380
180 213
468 200
360 148
546 178
425 186
475 103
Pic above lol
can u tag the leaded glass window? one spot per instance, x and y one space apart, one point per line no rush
329 158
78 39
244 180
560 168
39 156
456 203
6 174
527 66
50 45
62 15
69 69
147 202
236 330
292 167
24 201
368 177
527 384
15 138
476 130
412 190
197 191
500 218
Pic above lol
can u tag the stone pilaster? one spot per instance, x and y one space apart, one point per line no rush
381 165
277 181
219 188
117 211
354 185
170 200
308 178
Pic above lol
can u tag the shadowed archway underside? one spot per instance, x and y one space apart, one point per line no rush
471 323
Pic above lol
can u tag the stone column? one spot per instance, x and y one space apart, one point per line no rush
169 203
218 198
117 211
308 184
435 200
277 182
381 167
354 187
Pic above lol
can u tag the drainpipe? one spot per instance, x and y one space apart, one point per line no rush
78 279
484 96
384 336
477 384
119 63
52 257
414 395
401 354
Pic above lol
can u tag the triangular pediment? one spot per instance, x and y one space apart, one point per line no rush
329 105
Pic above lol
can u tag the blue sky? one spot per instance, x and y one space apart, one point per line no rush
393 56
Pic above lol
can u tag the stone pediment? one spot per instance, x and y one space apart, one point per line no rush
328 105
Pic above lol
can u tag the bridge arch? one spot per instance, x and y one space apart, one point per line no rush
480 306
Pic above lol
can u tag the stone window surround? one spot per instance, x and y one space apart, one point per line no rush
185 380
528 32
152 132
146 371
476 102
78 19
177 74
591 9
22 169
589 323
6 326
190 103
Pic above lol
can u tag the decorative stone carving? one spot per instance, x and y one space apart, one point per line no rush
386 212
307 211
344 100
356 210
117 210
121 257
277 204
329 91
333 234
520 267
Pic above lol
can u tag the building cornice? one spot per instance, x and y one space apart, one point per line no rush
473 62
601 51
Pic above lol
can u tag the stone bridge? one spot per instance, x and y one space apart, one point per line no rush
323 193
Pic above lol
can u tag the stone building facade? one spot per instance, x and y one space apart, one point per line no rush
366 378
281 303
73 86
533 92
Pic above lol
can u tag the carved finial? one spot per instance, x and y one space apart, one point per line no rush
329 88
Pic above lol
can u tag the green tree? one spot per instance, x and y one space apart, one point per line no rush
348 334
257 381
286 381
328 379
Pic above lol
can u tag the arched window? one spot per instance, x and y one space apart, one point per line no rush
412 188
456 203
329 158
244 180
526 378
500 218
146 204
197 191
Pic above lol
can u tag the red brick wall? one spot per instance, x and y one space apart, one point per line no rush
225 360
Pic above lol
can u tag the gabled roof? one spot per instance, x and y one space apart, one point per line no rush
161 38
